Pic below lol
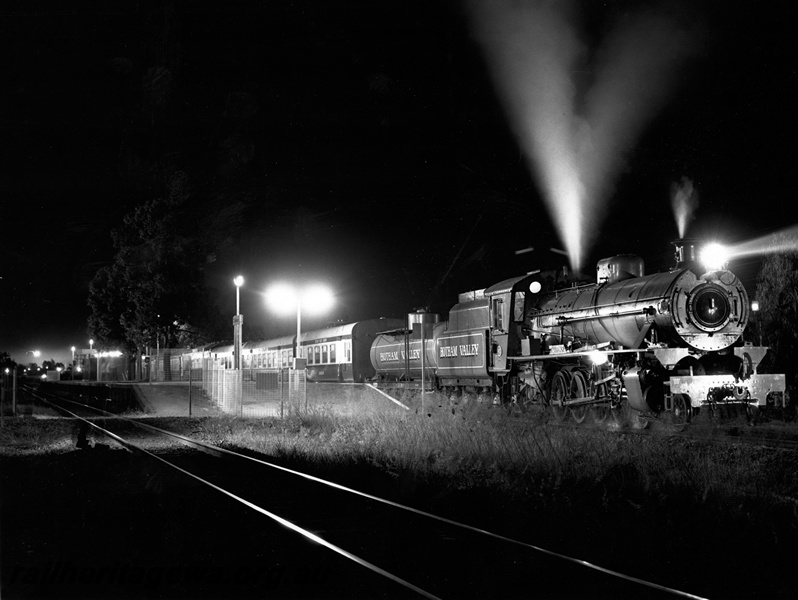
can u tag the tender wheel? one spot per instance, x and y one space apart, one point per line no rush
560 387
681 409
578 389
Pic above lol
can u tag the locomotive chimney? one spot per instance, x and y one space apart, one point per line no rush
684 252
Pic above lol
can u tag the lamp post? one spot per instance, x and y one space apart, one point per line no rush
284 299
91 351
238 321
72 367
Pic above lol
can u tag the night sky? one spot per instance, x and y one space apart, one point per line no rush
358 143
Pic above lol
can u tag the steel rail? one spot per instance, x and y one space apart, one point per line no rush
457 524
284 522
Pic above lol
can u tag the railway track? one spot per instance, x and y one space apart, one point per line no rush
408 552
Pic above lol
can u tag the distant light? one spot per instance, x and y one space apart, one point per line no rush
535 287
597 358
239 281
37 353
755 305
714 256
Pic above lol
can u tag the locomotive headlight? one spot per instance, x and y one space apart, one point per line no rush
714 256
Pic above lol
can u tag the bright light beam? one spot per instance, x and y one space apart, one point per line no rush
785 240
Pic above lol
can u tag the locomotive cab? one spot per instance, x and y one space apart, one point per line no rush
510 331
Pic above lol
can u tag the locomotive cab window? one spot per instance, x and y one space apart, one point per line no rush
518 306
497 304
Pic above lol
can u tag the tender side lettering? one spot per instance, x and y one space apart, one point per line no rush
397 355
453 351
459 350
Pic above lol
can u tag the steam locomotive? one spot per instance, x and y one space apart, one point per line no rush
630 345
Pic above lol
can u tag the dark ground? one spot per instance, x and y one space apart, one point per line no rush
107 523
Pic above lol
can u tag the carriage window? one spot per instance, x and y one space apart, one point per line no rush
310 355
497 313
518 307
348 350
324 353
317 352
332 353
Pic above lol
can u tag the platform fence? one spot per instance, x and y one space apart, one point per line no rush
254 392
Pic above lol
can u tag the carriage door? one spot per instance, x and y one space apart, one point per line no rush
499 308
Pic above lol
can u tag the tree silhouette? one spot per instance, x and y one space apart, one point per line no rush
777 294
155 289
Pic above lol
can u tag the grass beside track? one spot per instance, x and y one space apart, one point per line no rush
585 492
475 446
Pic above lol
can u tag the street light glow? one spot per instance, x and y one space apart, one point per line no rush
239 281
317 299
284 299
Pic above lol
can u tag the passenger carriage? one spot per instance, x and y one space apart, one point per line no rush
341 353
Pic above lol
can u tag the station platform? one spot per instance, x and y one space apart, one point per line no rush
171 399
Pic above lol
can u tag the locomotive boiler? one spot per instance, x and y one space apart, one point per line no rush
629 345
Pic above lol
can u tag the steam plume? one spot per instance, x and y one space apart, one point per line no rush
684 202
574 139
